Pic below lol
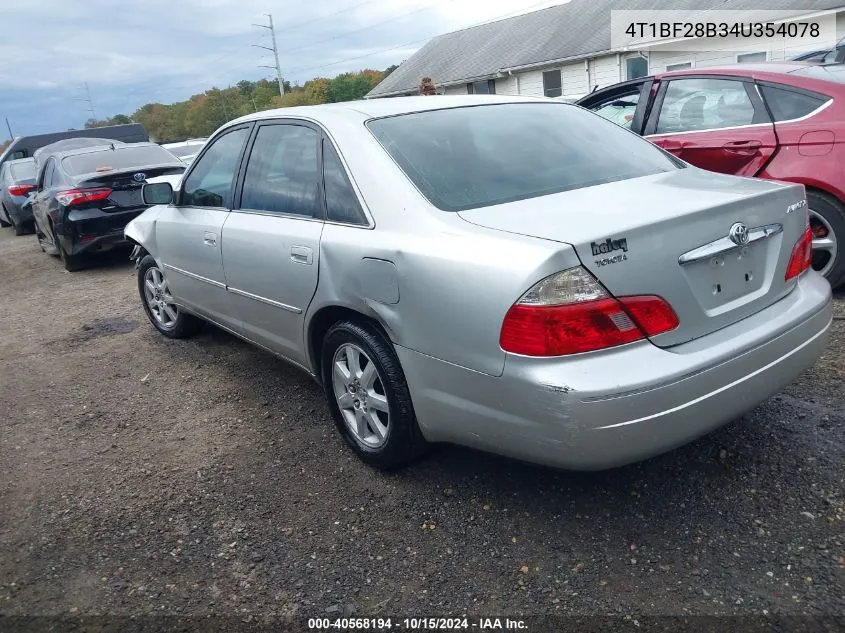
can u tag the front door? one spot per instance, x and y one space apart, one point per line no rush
272 238
717 124
189 233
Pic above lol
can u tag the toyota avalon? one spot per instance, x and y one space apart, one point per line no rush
517 275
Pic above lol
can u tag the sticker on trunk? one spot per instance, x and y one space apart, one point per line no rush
608 247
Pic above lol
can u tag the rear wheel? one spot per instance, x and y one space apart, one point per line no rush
158 303
72 263
827 222
368 396
4 222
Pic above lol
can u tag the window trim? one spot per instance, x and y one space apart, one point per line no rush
237 192
760 108
43 180
738 55
238 167
690 61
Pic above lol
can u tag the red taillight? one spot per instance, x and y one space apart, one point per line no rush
73 197
570 313
802 255
20 190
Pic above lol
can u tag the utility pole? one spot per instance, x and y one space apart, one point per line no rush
274 50
87 99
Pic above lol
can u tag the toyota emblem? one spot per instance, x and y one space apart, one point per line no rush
139 177
739 234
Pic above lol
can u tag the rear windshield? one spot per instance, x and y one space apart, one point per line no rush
187 150
23 171
464 158
122 157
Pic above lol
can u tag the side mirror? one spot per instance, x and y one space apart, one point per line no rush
157 193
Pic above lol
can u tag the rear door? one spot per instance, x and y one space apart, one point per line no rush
716 123
189 233
272 238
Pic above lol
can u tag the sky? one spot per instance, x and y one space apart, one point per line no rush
133 52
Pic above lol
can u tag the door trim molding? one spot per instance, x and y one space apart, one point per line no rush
275 304
216 284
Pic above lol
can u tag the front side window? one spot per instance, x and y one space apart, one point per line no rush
704 104
786 104
210 183
282 175
470 157
341 201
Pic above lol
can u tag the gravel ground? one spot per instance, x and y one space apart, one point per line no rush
140 475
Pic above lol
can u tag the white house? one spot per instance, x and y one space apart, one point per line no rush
566 50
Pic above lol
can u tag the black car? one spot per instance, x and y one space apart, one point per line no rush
17 180
85 197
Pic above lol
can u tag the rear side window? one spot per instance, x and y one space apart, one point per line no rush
23 171
283 174
704 104
341 201
789 104
121 157
469 157
48 173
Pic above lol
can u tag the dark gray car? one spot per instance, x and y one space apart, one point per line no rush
17 180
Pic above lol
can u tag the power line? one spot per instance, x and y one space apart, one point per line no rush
275 51
328 15
424 39
365 28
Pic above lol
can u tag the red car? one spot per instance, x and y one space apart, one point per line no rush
783 121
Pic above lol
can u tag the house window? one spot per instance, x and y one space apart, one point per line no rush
636 67
750 58
482 87
678 66
552 84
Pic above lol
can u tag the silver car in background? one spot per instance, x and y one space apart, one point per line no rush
516 275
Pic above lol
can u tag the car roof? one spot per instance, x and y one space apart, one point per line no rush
374 108
759 70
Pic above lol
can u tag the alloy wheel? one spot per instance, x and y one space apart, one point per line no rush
360 394
825 246
158 298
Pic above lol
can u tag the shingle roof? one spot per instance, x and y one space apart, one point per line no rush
578 28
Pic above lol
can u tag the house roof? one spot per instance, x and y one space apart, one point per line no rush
576 29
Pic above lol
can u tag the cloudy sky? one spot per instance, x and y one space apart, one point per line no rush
132 52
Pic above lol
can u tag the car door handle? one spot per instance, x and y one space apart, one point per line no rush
751 145
209 239
301 254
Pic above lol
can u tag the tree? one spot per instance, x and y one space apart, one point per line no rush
4 145
389 70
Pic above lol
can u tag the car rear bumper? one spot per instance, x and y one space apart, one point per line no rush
87 230
605 409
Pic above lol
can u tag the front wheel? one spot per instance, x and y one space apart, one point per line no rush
827 222
159 305
368 396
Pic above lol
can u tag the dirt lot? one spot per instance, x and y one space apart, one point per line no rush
141 475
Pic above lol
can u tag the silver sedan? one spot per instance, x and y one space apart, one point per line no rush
516 275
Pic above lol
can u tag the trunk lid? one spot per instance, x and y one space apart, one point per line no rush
669 235
126 189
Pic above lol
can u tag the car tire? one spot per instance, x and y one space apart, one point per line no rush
20 229
3 222
368 398
828 214
72 263
184 324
